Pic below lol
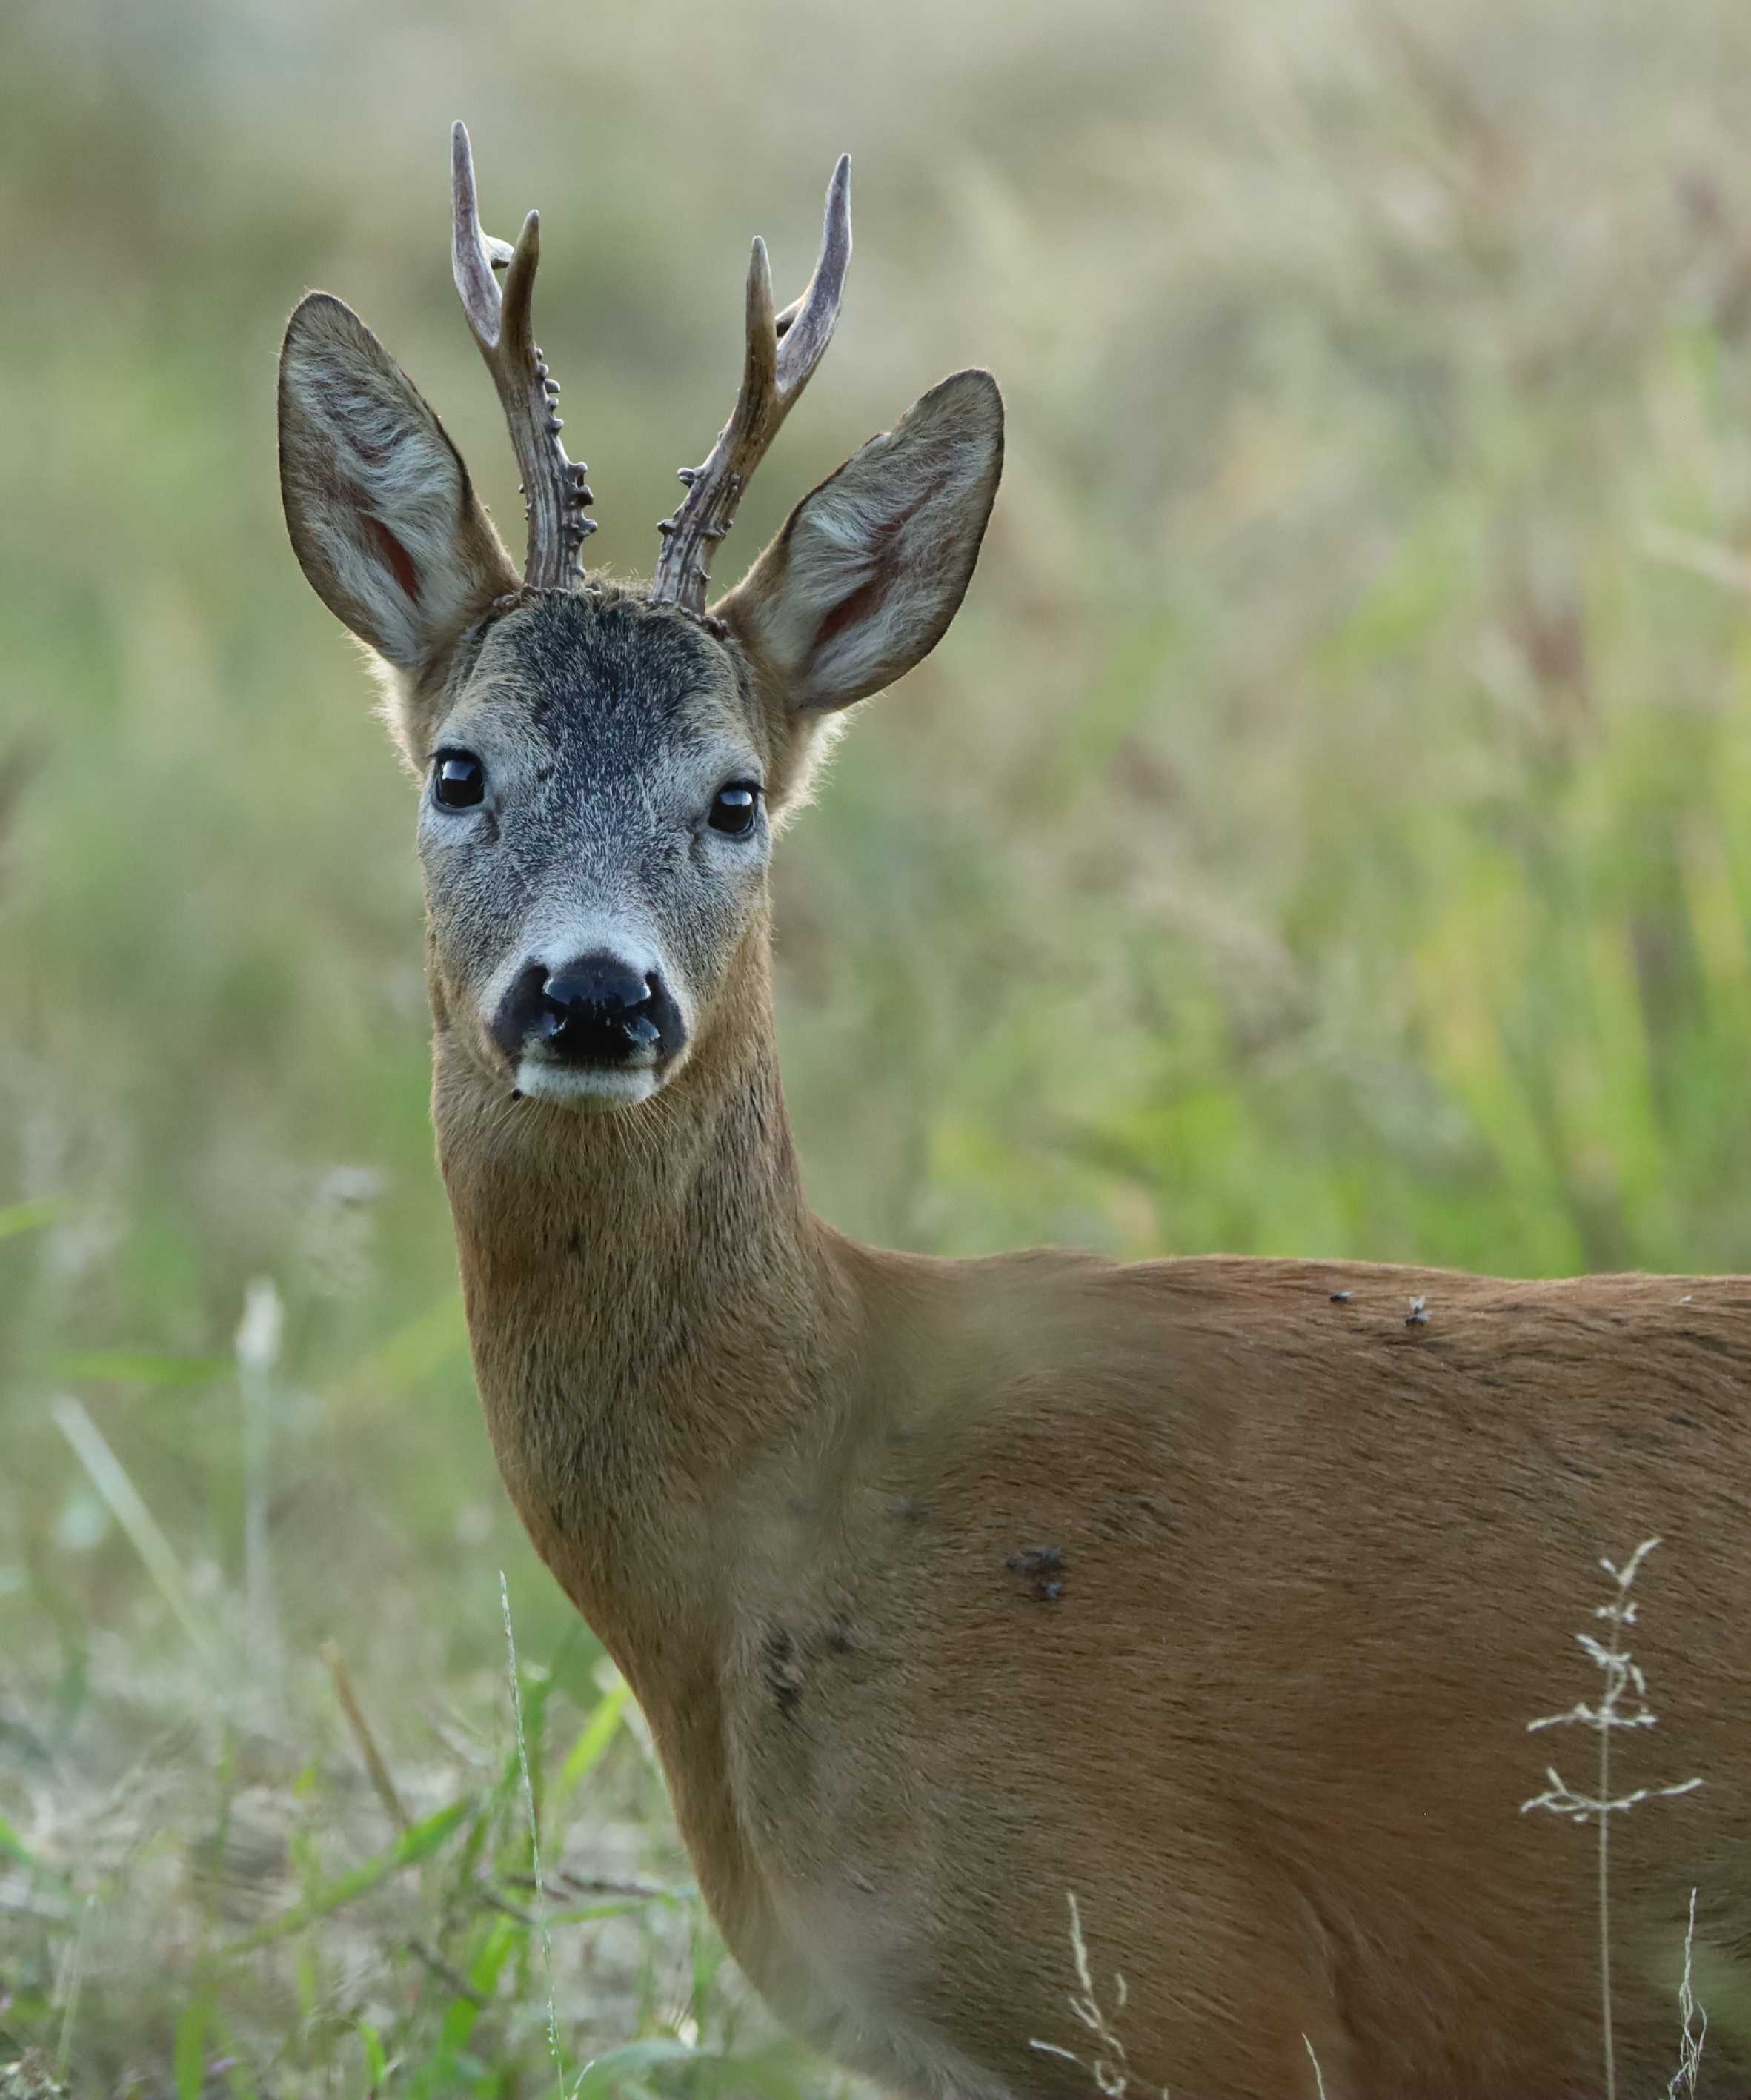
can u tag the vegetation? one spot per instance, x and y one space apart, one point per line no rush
1327 830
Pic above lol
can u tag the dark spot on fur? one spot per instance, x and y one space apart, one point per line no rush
1341 1297
1043 1565
784 1671
1717 1345
1128 1519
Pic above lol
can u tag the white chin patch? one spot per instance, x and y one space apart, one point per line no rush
582 1086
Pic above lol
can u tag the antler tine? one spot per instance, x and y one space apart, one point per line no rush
809 323
555 489
782 352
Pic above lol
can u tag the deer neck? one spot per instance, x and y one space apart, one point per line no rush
655 1312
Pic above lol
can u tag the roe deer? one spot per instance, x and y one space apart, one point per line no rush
1218 1592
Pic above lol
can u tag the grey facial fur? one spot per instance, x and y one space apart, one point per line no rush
606 726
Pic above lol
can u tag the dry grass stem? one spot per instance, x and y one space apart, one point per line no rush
72 1985
1319 2076
258 1351
535 1839
362 1734
1623 1703
1109 2068
1695 2022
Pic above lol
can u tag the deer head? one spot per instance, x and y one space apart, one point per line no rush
605 765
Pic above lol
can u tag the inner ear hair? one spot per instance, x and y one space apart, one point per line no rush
381 514
871 568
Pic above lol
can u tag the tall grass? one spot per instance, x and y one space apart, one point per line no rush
1326 830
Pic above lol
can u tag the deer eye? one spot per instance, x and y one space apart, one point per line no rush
459 779
734 808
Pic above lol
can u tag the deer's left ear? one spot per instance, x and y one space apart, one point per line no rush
861 583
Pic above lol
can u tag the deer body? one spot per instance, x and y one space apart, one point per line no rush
1317 1569
1215 1593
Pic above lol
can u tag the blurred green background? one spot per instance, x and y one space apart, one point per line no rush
1327 830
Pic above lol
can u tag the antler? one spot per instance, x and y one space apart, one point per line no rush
782 351
555 491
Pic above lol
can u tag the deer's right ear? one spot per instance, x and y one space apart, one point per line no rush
382 516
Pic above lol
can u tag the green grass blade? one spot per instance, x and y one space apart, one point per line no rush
189 2060
109 1477
28 1217
413 1352
419 1843
614 2066
598 1731
615 1906
376 2061
14 1848
137 1367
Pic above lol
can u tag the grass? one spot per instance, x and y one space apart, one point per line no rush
1328 830
1622 1703
1108 2070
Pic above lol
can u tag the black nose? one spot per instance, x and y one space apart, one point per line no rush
596 1010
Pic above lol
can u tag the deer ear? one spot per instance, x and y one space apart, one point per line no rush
861 583
383 518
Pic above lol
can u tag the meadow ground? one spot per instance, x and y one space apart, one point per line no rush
1327 831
